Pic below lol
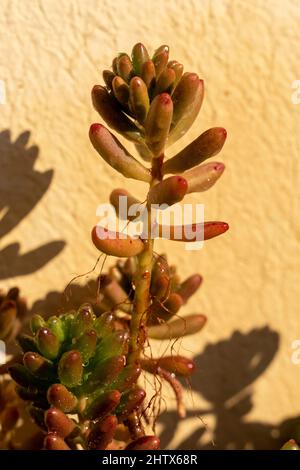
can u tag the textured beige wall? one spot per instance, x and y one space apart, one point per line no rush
247 52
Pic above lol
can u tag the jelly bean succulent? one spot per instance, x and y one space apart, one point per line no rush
80 371
13 314
290 445
152 103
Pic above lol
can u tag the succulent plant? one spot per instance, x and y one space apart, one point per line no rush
80 370
17 431
13 314
152 103
9 411
290 445
76 364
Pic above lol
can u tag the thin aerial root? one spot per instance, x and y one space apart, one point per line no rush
99 277
84 274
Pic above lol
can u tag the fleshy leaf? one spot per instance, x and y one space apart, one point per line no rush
116 244
193 232
177 328
113 152
158 123
139 99
109 109
169 191
187 99
207 145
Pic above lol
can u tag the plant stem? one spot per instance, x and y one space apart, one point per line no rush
142 295
143 279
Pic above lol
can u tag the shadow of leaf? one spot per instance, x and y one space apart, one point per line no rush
226 371
13 264
227 367
72 297
21 188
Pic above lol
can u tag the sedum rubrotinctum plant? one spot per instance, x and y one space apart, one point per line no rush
80 371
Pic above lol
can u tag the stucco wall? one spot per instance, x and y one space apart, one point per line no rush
247 52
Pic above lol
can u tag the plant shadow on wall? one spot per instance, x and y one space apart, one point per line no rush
226 372
21 188
72 297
